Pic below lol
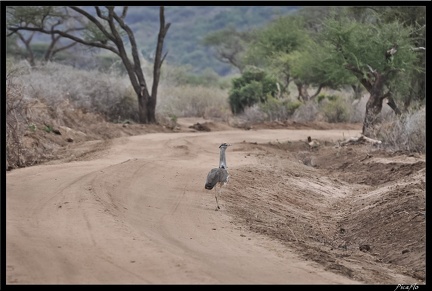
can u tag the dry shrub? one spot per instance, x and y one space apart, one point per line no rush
169 121
193 101
253 114
108 93
337 110
277 109
272 110
358 109
405 133
16 123
306 112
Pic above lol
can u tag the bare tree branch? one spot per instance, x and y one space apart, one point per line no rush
125 9
392 103
317 91
99 13
72 37
360 75
163 58
159 47
28 47
134 46
418 49
94 20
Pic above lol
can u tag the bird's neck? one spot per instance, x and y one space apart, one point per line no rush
222 161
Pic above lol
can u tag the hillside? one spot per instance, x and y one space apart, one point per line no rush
190 24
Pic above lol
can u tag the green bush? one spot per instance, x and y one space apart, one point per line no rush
254 86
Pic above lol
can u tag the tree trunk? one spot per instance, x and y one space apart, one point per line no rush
142 109
159 59
302 91
373 108
374 84
317 91
30 56
151 110
374 104
392 104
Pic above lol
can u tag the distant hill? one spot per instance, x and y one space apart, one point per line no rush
190 24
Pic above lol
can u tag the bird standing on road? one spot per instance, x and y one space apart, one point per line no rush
218 175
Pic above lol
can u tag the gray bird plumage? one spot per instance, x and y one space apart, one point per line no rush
218 175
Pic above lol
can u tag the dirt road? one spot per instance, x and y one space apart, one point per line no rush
134 210
137 212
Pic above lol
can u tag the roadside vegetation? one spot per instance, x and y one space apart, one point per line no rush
336 68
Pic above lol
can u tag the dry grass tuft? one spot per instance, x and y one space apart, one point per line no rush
16 123
404 133
193 101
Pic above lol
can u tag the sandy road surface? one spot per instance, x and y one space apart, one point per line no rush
138 213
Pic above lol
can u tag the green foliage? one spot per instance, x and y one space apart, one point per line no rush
282 36
363 44
31 15
318 65
254 86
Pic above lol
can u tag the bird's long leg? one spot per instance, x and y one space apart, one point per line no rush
217 204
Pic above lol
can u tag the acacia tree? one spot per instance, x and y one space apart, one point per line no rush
107 29
414 17
31 16
283 36
229 46
364 49
315 66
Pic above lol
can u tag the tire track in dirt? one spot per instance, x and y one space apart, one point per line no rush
139 214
